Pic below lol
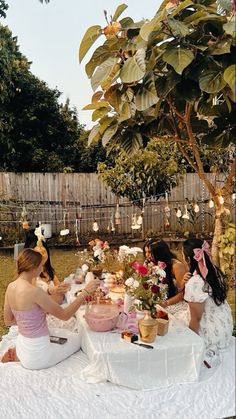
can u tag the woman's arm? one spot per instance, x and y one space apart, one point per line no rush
179 270
9 318
51 307
173 300
196 311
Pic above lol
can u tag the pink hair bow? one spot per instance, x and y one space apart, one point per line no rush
200 258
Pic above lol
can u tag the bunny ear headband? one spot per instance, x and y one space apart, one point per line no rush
199 256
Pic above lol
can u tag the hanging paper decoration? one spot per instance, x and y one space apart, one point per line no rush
221 200
95 226
134 224
178 213
196 208
186 214
140 220
65 230
167 224
117 215
211 203
112 225
77 242
234 196
167 208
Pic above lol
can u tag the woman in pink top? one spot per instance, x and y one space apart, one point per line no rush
27 306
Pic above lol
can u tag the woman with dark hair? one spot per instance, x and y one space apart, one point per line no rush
205 292
175 271
147 254
47 280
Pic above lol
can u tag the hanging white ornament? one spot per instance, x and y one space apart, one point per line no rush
134 224
234 196
117 215
186 214
95 226
178 213
196 208
112 224
167 211
221 200
140 220
211 203
65 230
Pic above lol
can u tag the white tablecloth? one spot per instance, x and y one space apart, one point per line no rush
176 358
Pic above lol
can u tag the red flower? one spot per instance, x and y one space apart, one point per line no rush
162 265
145 285
143 270
164 280
162 315
155 289
135 265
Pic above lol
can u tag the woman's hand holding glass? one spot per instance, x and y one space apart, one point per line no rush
92 285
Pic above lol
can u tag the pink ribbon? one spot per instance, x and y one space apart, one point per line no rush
199 256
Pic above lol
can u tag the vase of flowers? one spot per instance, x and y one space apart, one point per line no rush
147 327
148 287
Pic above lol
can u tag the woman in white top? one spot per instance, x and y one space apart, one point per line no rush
205 292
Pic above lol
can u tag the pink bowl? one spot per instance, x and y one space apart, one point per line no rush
102 318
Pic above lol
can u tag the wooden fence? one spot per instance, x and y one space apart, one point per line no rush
60 199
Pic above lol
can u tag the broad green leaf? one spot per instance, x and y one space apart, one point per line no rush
178 58
99 113
126 22
114 74
194 17
97 96
178 28
152 25
134 68
230 28
94 134
125 112
132 142
105 122
90 36
180 7
230 76
102 72
165 84
146 95
101 54
109 133
96 105
212 81
222 47
113 96
120 9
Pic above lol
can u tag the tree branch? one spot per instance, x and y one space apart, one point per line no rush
229 180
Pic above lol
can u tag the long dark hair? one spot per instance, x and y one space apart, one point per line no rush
162 253
215 278
30 243
147 243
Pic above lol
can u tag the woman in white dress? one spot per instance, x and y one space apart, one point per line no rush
205 292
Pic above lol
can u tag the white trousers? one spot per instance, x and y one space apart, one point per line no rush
39 353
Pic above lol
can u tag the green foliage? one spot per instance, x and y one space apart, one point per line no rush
147 172
36 133
227 250
166 71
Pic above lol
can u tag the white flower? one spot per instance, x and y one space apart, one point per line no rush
135 284
84 267
129 282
